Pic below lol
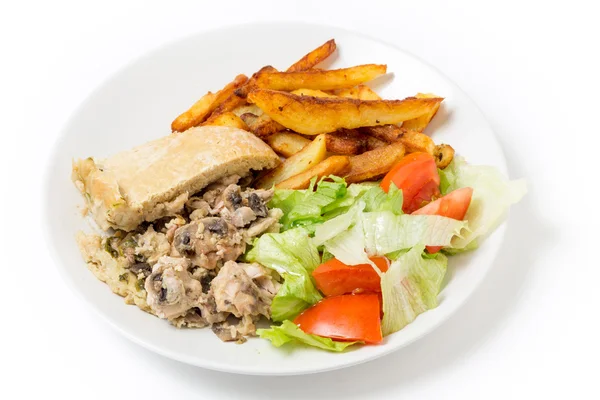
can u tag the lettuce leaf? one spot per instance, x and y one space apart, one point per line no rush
411 286
293 255
376 199
383 232
493 194
306 207
289 332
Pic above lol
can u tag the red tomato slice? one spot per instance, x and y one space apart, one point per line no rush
334 277
416 174
453 205
348 317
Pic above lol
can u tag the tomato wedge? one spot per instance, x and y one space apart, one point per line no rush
416 174
453 205
348 317
334 277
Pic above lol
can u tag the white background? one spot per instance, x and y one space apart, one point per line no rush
530 331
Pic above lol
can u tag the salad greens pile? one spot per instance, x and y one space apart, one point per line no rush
358 221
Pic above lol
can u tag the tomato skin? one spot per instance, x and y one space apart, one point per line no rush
347 317
334 278
416 174
453 205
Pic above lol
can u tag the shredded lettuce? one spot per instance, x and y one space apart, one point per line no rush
385 232
493 194
376 199
293 255
289 332
306 207
411 286
329 199
354 236
338 224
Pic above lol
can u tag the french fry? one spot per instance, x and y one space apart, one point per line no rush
334 165
415 141
360 92
374 143
346 141
287 144
247 109
443 154
229 104
309 156
373 164
315 115
320 80
313 92
314 57
227 119
262 126
387 133
420 123
250 85
205 106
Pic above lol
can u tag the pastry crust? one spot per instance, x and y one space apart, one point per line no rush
155 179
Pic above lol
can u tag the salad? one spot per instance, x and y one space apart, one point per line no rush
361 261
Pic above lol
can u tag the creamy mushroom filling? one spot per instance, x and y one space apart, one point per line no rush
186 263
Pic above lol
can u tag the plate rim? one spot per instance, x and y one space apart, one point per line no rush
226 367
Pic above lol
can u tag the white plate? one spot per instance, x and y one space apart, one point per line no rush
138 104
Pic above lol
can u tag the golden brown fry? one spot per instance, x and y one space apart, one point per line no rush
229 104
351 93
373 164
443 154
374 143
315 115
366 93
227 119
196 114
320 80
206 105
314 57
387 133
420 123
415 141
309 156
247 108
360 92
286 143
250 85
262 126
346 141
334 165
312 92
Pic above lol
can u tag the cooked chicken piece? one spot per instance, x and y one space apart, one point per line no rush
209 242
197 203
213 191
263 277
261 225
171 289
242 217
237 293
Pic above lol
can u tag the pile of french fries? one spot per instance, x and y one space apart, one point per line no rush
321 122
